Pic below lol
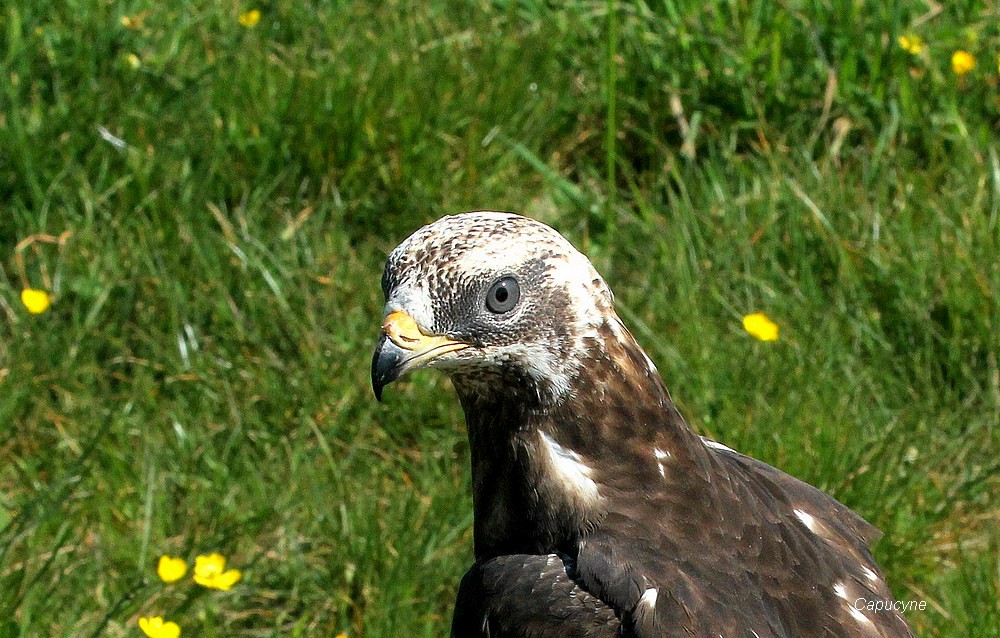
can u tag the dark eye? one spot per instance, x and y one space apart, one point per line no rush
503 295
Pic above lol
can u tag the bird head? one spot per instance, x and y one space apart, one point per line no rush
486 296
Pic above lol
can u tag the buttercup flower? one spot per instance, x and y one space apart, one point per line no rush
210 571
962 62
250 18
36 301
155 627
171 569
911 43
134 22
760 327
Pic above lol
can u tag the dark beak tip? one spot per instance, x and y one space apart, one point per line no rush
386 365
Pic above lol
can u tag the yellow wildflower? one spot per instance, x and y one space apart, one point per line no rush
760 327
171 569
36 301
155 627
134 22
249 19
133 60
210 571
962 62
911 43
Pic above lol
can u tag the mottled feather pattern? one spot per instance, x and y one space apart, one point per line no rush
525 595
598 512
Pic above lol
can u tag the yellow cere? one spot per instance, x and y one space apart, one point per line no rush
36 301
760 327
171 569
911 43
156 627
250 18
962 62
210 571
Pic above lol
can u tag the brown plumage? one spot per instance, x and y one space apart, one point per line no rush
598 512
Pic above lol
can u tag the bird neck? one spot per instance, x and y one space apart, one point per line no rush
543 473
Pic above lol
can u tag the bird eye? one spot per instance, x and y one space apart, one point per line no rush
503 295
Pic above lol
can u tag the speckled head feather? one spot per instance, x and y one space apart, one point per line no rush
598 512
454 261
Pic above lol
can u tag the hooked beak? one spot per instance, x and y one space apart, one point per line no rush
402 347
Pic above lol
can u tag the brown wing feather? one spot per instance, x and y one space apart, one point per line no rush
738 560
529 596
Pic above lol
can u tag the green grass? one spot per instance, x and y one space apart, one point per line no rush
200 383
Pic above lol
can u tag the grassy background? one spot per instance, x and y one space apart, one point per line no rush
200 383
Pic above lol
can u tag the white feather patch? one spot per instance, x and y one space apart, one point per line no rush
649 598
715 445
649 363
569 470
808 520
660 457
857 615
840 590
543 366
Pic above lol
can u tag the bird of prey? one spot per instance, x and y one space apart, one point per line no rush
598 512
